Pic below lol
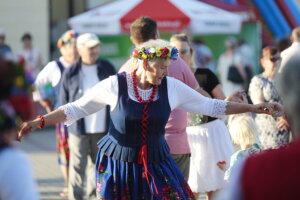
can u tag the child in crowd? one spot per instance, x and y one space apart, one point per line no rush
243 131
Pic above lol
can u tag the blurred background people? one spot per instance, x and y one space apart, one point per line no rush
47 84
231 57
85 133
203 55
294 49
5 50
274 174
32 56
247 53
208 137
283 44
16 174
274 132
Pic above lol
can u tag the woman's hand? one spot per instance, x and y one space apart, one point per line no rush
274 109
28 127
282 124
277 110
238 96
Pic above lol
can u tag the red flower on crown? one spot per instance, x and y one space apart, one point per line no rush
135 53
165 52
72 35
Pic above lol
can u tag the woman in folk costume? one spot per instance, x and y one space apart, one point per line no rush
47 92
133 160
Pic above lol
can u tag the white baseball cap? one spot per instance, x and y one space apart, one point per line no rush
88 40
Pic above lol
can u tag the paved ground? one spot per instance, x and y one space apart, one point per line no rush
40 147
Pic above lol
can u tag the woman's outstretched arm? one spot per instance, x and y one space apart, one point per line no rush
53 117
102 94
187 99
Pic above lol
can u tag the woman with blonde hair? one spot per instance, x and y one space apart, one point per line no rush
208 137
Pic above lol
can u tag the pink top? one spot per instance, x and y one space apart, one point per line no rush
176 135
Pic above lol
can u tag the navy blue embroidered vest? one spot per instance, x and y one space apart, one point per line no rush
124 138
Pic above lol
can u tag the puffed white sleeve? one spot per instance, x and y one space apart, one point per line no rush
183 97
102 94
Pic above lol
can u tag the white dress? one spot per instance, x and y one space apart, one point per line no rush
210 143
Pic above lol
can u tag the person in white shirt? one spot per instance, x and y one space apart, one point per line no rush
231 57
47 85
16 175
294 49
32 56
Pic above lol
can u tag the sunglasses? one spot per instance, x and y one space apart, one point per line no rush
275 59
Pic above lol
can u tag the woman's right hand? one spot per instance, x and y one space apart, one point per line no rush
238 96
28 127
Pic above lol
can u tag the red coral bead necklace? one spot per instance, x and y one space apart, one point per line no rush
136 92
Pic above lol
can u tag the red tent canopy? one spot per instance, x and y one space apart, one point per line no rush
167 16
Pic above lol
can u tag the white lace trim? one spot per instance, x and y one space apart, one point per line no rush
145 94
70 114
219 108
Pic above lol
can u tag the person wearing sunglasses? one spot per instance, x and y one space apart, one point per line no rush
274 132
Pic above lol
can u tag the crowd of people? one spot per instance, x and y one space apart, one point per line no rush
158 128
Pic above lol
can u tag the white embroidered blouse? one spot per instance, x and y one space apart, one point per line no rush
106 93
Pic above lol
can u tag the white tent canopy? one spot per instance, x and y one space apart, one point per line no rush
198 17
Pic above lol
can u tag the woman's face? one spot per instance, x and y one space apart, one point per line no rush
69 52
184 50
271 64
156 70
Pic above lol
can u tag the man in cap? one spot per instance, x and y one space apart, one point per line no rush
85 133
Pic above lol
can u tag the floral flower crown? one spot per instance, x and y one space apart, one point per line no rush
67 38
155 52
